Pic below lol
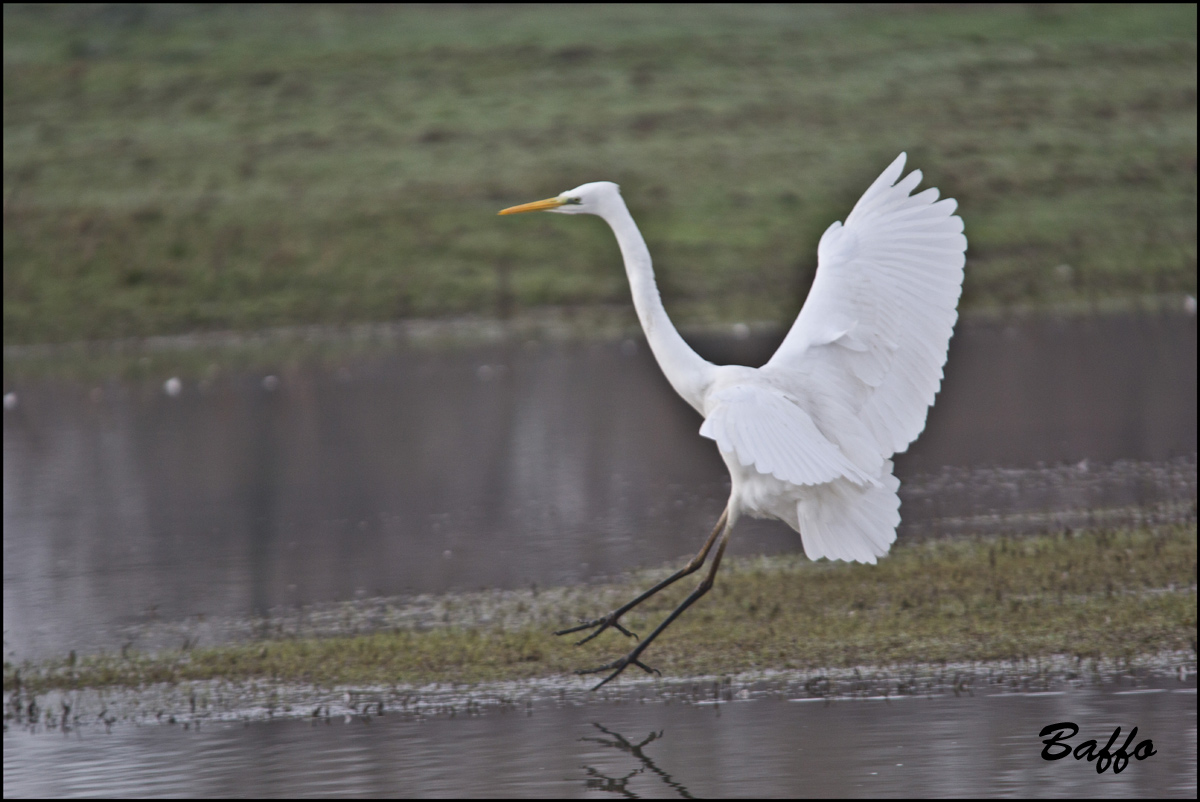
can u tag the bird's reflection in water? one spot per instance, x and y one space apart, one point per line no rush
598 781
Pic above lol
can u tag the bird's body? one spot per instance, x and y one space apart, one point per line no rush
808 436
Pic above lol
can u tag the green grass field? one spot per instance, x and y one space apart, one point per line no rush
170 169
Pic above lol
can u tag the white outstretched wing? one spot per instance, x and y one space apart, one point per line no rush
877 323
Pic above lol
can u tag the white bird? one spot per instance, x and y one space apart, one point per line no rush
808 437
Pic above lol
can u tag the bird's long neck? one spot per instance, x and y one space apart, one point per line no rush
687 372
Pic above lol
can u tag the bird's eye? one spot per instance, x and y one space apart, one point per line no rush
573 201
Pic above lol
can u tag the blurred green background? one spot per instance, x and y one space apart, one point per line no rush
175 168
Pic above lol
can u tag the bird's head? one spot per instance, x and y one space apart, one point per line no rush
593 198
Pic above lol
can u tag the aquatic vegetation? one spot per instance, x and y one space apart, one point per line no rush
1094 595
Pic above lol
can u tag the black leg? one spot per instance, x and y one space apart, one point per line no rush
611 620
631 659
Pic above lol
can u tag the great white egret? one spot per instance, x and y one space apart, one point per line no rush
808 436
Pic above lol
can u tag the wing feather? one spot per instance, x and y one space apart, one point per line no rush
877 323
765 428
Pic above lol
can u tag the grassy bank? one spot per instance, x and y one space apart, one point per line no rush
1094 596
170 169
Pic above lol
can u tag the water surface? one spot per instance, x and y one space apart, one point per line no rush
414 470
982 745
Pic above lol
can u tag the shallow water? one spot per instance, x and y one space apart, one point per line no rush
426 471
914 746
130 513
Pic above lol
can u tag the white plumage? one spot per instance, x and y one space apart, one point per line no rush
864 360
808 437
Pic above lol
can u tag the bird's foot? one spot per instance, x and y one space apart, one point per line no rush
618 666
602 623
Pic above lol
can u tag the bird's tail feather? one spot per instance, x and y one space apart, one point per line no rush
842 520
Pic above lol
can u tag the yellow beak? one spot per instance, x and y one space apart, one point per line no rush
536 206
